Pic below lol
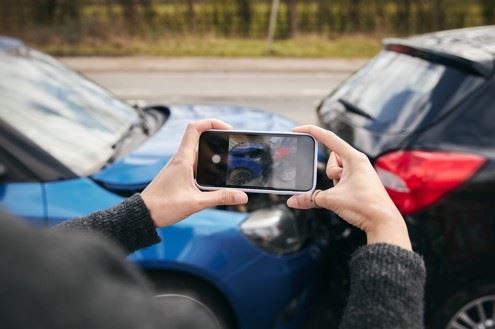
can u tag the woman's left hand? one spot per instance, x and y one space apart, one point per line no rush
173 194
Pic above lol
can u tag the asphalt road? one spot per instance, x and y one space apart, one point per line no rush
290 87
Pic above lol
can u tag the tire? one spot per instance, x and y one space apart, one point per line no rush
189 303
240 176
473 307
288 174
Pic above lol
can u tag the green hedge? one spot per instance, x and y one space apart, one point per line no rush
73 20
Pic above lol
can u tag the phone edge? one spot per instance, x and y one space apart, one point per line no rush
262 191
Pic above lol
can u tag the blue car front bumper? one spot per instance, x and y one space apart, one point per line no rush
264 290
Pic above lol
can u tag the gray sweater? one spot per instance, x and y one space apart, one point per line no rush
61 279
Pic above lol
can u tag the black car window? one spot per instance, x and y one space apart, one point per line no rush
397 93
68 116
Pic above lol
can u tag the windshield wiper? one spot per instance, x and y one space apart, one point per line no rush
355 109
142 121
141 124
128 133
117 146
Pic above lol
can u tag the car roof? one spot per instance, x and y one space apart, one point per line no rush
8 43
472 47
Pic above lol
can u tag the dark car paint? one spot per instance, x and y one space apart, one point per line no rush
456 235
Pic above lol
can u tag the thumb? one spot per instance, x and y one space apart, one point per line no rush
324 199
301 201
223 197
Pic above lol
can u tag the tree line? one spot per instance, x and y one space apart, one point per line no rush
73 19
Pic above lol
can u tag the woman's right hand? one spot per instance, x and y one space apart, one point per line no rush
358 196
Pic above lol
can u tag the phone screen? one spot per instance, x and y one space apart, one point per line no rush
266 161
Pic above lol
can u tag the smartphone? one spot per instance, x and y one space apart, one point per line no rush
257 162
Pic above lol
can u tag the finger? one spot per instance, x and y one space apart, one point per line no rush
335 160
334 173
222 198
332 163
191 136
327 138
301 201
332 160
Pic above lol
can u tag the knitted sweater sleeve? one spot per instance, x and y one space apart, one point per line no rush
387 287
129 224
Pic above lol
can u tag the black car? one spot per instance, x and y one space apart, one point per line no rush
423 110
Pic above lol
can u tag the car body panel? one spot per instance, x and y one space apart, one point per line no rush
138 167
190 243
7 43
25 200
76 197
458 131
293 271
369 142
473 44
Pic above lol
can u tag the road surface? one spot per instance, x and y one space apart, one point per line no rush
290 87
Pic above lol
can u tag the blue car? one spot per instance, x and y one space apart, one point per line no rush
247 162
68 147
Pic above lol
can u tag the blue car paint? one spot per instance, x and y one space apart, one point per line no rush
7 43
75 197
26 200
289 277
238 158
240 162
157 150
239 277
209 244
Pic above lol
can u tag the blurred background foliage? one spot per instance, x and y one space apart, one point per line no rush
188 27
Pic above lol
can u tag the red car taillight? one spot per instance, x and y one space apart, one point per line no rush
416 179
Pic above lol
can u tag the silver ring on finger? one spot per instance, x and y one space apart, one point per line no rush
313 198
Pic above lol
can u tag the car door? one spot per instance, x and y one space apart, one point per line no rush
75 197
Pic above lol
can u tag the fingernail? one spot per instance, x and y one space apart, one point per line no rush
291 203
240 197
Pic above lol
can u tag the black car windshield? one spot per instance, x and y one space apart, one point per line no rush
397 93
68 116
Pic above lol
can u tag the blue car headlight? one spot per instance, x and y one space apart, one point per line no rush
275 229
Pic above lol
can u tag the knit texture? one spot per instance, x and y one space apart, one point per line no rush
129 224
69 280
387 289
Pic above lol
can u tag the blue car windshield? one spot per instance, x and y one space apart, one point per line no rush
70 117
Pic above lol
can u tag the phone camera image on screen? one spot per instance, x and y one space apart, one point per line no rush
265 161
278 162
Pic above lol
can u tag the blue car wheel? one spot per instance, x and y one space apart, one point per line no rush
240 176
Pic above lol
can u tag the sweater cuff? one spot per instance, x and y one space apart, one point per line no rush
135 225
381 258
387 286
396 272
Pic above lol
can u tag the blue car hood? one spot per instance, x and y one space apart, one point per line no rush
136 169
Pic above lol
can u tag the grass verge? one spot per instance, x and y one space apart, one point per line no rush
302 46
